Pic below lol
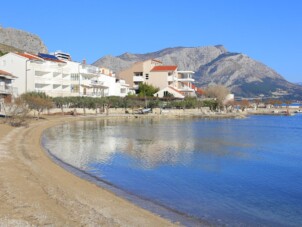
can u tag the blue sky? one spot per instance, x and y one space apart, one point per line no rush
269 31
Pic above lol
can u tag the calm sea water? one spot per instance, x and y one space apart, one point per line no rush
227 172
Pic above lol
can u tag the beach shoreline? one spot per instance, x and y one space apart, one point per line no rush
36 191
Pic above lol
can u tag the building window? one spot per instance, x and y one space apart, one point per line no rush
168 94
74 77
138 74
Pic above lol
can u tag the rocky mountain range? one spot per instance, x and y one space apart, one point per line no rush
11 38
244 76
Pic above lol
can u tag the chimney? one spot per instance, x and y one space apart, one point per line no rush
84 62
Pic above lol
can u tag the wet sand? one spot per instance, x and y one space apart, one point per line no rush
34 191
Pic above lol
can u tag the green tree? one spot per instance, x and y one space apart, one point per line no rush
37 101
60 102
146 90
212 104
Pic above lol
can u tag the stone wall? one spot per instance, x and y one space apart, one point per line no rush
115 111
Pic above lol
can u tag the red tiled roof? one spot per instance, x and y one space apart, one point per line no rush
196 89
34 57
164 68
29 56
4 73
174 89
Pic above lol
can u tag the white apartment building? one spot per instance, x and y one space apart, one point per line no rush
46 73
166 77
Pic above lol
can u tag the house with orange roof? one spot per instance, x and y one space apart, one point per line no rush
165 77
6 87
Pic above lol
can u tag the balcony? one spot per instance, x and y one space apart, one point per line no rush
41 80
66 82
6 89
89 69
94 84
185 89
138 79
97 83
172 78
185 79
185 76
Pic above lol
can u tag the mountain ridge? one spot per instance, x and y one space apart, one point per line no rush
244 76
22 40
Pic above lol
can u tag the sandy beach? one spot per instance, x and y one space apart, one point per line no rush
34 191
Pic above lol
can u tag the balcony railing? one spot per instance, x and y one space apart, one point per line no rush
100 83
41 80
185 89
185 79
172 78
185 76
138 79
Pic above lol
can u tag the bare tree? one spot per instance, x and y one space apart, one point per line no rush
244 104
218 92
16 113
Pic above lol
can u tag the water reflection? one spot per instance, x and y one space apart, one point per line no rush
243 172
151 143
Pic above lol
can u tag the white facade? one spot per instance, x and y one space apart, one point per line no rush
49 77
169 90
60 78
6 87
15 65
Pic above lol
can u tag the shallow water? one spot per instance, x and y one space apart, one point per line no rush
228 172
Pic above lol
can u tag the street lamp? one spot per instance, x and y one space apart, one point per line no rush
26 74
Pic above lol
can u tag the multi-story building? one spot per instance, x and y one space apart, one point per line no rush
61 55
166 77
56 77
6 87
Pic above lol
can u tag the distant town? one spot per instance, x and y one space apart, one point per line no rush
56 76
